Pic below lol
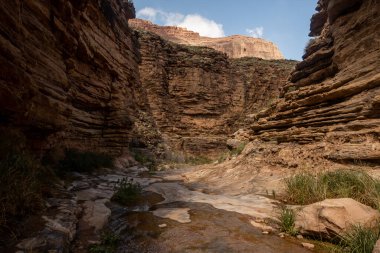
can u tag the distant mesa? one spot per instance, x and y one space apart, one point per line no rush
235 46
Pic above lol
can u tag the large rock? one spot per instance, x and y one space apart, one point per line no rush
332 217
235 46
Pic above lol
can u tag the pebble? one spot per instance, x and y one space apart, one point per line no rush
162 225
282 235
299 237
265 232
308 245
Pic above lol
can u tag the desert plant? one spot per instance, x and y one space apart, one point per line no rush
359 239
126 191
108 244
301 188
305 188
79 161
287 221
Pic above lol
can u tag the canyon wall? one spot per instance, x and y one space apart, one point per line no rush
69 75
198 95
333 95
75 75
328 116
235 46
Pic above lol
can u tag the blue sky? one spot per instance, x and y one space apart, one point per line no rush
284 22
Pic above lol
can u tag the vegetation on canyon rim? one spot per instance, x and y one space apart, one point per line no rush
307 188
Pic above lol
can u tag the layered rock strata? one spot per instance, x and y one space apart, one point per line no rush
75 75
198 95
333 96
235 46
69 75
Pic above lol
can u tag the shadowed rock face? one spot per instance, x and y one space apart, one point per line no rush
69 74
199 96
74 74
235 46
333 95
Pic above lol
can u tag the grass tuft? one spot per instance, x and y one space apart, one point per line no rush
306 188
109 243
287 221
359 240
126 191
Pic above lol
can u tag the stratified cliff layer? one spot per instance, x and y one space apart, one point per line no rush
69 75
235 46
334 93
197 95
74 74
329 113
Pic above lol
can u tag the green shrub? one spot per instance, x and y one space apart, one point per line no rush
287 221
109 243
306 188
359 240
79 161
126 191
145 159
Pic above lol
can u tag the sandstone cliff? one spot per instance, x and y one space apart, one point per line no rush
69 75
198 95
75 75
235 46
329 113
333 94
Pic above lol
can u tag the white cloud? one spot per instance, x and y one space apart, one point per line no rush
203 26
192 22
256 32
148 13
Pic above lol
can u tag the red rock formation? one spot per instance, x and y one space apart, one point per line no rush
235 46
72 74
69 74
198 95
333 96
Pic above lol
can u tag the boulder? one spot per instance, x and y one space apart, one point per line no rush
332 217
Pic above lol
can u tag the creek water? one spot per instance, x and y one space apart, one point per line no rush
173 217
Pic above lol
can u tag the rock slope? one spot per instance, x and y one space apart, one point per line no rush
235 46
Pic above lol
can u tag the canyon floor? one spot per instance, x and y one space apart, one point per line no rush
176 213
